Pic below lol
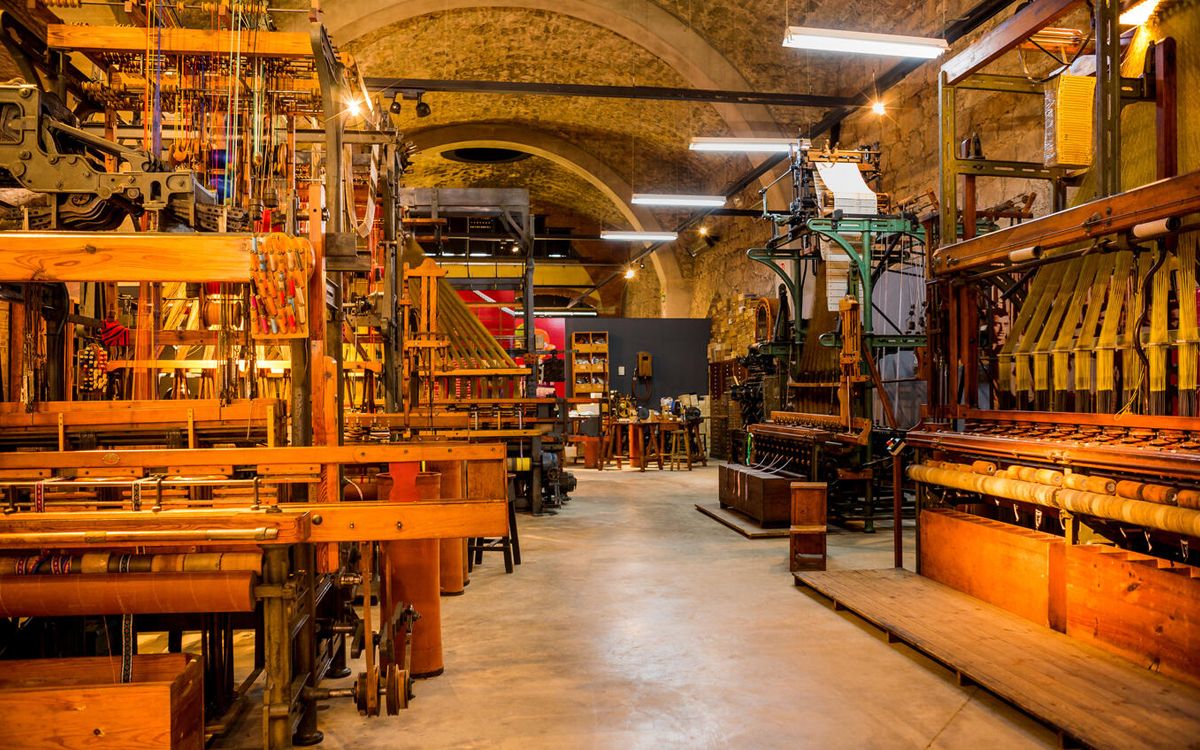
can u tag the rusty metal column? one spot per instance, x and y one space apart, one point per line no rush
277 709
1108 98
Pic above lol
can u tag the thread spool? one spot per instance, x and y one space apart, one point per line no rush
1151 493
125 593
1025 254
984 467
1098 485
1154 229
1188 499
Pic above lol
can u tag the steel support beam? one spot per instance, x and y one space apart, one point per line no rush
410 86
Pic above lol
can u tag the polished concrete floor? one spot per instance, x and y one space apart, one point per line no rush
637 622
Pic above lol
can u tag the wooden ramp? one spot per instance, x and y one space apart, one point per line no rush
1090 696
741 523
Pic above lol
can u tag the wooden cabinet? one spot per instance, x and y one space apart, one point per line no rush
589 363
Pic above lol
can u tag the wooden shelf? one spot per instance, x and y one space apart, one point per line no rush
589 362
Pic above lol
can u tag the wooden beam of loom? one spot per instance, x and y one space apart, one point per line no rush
130 40
111 257
1023 24
1176 196
321 455
136 413
291 524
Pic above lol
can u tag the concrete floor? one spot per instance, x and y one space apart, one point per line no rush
635 622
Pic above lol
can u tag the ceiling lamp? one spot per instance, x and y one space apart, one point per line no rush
863 43
744 145
639 236
1139 13
630 273
680 201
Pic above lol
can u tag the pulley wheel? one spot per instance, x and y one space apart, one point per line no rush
397 694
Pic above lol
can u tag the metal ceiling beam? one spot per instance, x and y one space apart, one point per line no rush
393 86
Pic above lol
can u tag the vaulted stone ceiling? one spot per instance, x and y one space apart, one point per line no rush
593 153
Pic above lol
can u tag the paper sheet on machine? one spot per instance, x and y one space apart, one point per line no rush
851 194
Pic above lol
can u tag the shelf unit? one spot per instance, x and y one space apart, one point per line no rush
589 363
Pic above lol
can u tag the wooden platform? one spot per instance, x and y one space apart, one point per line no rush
741 523
1090 696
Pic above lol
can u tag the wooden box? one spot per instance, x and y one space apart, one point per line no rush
807 535
81 703
759 494
1142 608
1013 568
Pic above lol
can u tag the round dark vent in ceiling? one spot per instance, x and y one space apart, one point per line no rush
485 155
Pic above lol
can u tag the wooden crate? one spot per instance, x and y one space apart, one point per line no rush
807 535
1142 608
81 703
1013 568
759 494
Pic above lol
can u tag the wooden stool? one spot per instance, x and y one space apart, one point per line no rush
510 545
681 450
652 436
610 445
696 437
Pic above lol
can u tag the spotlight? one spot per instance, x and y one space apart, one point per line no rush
514 248
395 108
642 265
423 109
630 273
354 107
703 231
878 108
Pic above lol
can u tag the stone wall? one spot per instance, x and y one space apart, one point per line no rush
1009 127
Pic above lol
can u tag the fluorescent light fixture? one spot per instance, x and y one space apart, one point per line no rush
639 236
1139 13
744 145
481 255
681 201
565 314
863 43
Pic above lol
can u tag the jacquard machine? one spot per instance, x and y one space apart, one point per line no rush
844 245
191 206
1064 386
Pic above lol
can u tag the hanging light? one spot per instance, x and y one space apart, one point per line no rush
1139 13
680 201
639 236
743 145
863 43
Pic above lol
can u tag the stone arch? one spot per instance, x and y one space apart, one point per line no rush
641 22
677 291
